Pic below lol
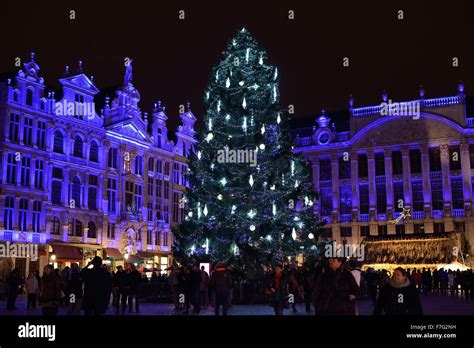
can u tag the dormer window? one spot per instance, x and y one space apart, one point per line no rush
29 97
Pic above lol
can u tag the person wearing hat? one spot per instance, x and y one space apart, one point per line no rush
335 290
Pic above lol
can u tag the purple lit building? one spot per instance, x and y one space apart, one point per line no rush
80 181
377 165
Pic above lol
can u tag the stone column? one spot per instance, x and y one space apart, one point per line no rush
335 186
355 187
425 168
372 191
445 175
466 177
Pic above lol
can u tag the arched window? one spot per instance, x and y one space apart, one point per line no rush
91 232
94 152
76 192
58 142
42 104
77 146
29 97
55 226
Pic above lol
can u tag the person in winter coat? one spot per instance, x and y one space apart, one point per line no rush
32 290
277 290
74 290
14 282
50 295
220 283
134 285
203 288
120 283
307 287
398 296
97 287
335 291
194 282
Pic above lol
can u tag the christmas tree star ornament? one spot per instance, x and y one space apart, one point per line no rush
227 83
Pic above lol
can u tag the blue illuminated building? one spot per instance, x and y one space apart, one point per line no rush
80 181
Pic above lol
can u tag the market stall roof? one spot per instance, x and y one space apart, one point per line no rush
146 254
113 253
134 259
66 252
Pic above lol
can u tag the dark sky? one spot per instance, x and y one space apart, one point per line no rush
173 57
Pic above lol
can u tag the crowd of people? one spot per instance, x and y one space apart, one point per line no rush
328 287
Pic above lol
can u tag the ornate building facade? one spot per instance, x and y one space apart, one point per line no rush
81 182
368 174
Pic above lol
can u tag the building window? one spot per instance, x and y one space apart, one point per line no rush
39 172
397 163
138 198
15 96
150 211
25 171
79 106
326 201
327 232
417 193
381 189
157 237
399 229
166 214
112 158
438 227
55 226
111 194
28 131
345 197
58 142
325 169
41 135
437 194
159 183
364 231
78 145
158 213
167 190
415 161
22 215
176 174
457 192
471 155
176 208
158 166
139 165
149 234
91 230
150 188
418 228
76 192
363 165
76 228
56 187
167 168
92 194
29 97
344 168
454 158
94 152
379 164
8 213
111 231
129 194
346 231
151 164
435 159
11 168
36 216
364 199
398 195
382 230
14 128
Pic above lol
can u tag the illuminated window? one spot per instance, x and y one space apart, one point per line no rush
14 127
58 142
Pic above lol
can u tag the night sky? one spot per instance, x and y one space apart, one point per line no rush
173 58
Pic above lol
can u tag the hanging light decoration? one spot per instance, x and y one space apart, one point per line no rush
205 211
227 83
293 233
251 182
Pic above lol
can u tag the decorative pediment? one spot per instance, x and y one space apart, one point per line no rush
395 130
132 130
81 81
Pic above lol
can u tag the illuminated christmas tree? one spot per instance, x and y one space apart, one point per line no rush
250 196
